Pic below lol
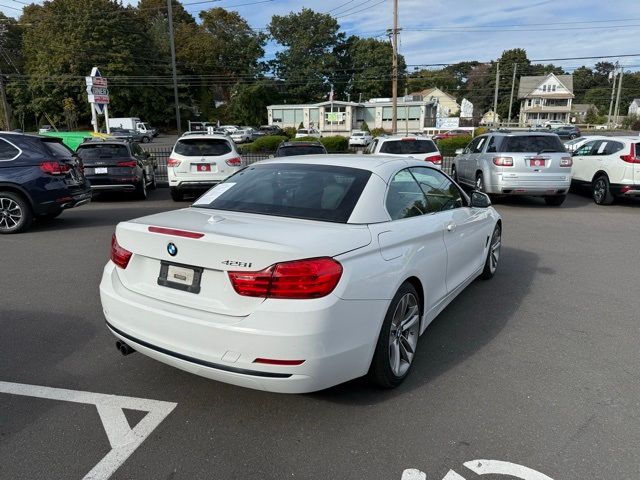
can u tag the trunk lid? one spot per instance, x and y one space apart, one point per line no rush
230 241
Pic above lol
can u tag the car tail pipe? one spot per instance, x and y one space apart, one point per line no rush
123 348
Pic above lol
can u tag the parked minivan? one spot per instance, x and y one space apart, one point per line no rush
518 163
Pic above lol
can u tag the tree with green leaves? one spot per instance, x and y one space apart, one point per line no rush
371 68
248 102
307 65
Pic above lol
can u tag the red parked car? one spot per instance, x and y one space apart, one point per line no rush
451 133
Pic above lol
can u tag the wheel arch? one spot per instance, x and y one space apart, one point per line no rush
417 284
599 173
10 187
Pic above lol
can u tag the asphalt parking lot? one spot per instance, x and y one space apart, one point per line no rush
538 367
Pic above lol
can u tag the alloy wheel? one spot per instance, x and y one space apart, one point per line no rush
10 214
403 335
479 183
599 190
494 255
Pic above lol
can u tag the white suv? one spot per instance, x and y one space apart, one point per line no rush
610 167
200 161
412 146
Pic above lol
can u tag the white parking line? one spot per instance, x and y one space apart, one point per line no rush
123 439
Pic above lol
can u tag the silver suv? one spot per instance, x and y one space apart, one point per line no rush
519 163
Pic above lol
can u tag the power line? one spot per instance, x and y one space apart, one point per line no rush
358 11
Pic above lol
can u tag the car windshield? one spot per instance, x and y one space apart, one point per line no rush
195 147
357 134
313 192
92 152
300 150
532 144
303 131
408 147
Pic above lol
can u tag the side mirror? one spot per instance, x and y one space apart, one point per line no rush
480 200
459 151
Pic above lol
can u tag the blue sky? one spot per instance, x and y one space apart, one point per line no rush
449 31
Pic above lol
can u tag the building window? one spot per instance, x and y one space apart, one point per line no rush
335 116
544 88
276 116
554 88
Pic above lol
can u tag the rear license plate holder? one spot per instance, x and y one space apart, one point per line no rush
537 162
179 276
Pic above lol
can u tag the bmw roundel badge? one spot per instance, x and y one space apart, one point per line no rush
172 249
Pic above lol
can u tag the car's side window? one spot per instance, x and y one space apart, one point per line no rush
480 145
440 192
492 148
472 145
7 151
404 197
610 148
372 146
585 149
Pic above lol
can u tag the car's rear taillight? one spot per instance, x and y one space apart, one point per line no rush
435 159
631 157
299 279
54 168
566 161
120 256
503 161
234 162
172 162
127 163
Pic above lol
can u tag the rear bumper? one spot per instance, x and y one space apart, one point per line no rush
625 190
334 337
193 185
113 183
497 183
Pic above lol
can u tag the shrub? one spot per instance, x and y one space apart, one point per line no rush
365 127
300 126
265 144
290 132
480 131
376 132
448 146
335 144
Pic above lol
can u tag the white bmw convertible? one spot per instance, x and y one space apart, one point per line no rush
297 274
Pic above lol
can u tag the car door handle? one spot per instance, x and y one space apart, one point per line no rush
451 227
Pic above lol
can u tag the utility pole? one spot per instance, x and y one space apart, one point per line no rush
173 65
394 73
613 94
495 95
513 86
617 109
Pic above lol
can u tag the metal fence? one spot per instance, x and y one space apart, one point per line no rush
161 154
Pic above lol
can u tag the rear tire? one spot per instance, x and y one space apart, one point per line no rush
601 192
153 185
493 255
555 200
141 189
15 213
479 186
176 195
398 339
146 139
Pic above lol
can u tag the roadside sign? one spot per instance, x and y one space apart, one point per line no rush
97 96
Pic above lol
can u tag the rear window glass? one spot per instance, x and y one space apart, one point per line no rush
91 152
203 146
532 144
303 131
302 150
58 149
408 147
312 192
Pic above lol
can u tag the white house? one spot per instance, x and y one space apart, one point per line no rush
340 118
545 97
634 108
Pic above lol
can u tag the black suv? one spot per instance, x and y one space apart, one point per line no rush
288 149
39 178
118 165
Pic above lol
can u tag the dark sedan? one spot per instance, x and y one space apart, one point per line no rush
289 149
567 132
118 166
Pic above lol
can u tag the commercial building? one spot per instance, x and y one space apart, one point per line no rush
341 118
